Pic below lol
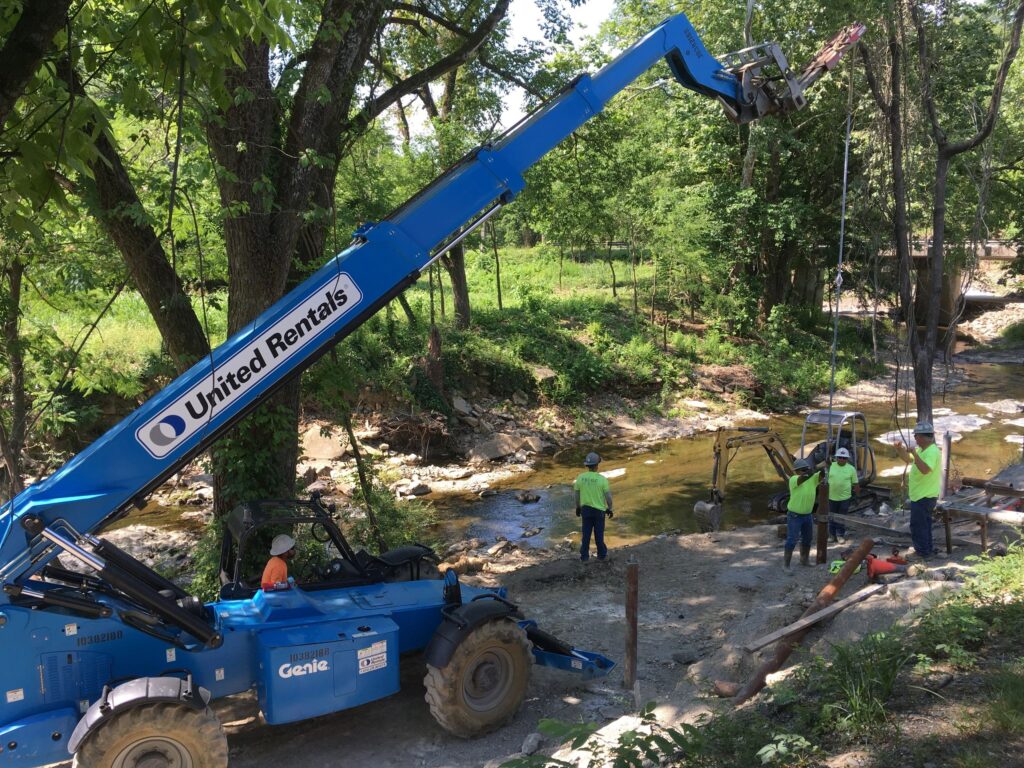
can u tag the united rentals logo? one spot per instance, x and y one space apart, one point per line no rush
315 316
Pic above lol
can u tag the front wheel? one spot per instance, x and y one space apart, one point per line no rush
485 681
163 735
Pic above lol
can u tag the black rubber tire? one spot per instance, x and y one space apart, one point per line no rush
485 682
184 736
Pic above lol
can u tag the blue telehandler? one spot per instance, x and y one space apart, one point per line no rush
115 665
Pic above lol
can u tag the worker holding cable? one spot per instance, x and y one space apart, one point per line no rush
924 485
803 493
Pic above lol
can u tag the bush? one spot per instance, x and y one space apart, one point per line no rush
858 682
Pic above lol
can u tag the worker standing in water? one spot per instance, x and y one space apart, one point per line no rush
803 490
593 498
842 485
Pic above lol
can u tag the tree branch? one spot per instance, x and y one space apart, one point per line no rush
472 43
869 72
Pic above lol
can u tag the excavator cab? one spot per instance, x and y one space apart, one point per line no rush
827 431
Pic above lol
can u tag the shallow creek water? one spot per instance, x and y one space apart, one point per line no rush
658 488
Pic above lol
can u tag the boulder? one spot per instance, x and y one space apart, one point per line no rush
519 398
527 497
542 374
499 549
531 744
416 489
461 407
494 448
462 546
329 447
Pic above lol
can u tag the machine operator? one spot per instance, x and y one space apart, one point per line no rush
275 575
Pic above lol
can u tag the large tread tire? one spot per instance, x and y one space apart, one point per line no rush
485 682
186 736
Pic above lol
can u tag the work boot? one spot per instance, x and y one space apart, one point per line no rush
788 555
805 555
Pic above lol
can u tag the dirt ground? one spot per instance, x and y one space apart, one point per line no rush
703 596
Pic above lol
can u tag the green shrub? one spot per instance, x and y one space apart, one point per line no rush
1014 332
859 680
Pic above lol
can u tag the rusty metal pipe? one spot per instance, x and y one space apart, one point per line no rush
785 646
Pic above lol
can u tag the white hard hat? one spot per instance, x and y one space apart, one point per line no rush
281 544
842 453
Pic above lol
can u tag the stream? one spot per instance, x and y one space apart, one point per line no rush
658 487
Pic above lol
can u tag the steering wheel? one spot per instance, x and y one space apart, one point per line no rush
320 533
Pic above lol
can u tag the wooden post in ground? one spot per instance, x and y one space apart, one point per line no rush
947 450
947 453
632 592
786 645
822 514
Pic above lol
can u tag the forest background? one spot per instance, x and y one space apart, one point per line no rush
168 168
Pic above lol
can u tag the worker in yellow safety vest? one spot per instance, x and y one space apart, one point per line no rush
924 485
803 491
842 485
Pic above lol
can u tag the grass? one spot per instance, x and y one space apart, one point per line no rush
1014 333
559 314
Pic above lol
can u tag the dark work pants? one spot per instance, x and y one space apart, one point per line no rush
593 520
921 525
799 527
835 528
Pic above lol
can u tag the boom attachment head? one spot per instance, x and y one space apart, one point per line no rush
763 94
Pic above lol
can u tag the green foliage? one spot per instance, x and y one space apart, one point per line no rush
789 750
990 607
1014 332
856 685
246 458
205 563
1006 709
400 522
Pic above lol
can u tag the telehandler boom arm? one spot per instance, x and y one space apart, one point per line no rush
135 456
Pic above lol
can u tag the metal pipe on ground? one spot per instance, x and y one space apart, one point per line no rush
786 645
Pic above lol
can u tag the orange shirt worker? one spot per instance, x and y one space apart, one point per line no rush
275 575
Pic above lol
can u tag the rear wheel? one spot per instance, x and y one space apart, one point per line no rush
485 681
163 735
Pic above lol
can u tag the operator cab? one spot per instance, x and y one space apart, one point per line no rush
827 431
324 558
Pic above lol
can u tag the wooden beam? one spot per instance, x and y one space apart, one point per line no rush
814 618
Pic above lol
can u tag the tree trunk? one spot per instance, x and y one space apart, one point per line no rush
118 205
497 262
455 262
24 48
773 261
13 442
611 266
403 302
364 482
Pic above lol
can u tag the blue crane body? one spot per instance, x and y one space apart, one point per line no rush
82 652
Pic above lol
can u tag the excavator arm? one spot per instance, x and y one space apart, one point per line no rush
60 514
728 443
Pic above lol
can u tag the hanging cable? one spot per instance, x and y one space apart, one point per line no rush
839 278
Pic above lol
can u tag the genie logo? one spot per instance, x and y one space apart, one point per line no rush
248 363
167 430
288 669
